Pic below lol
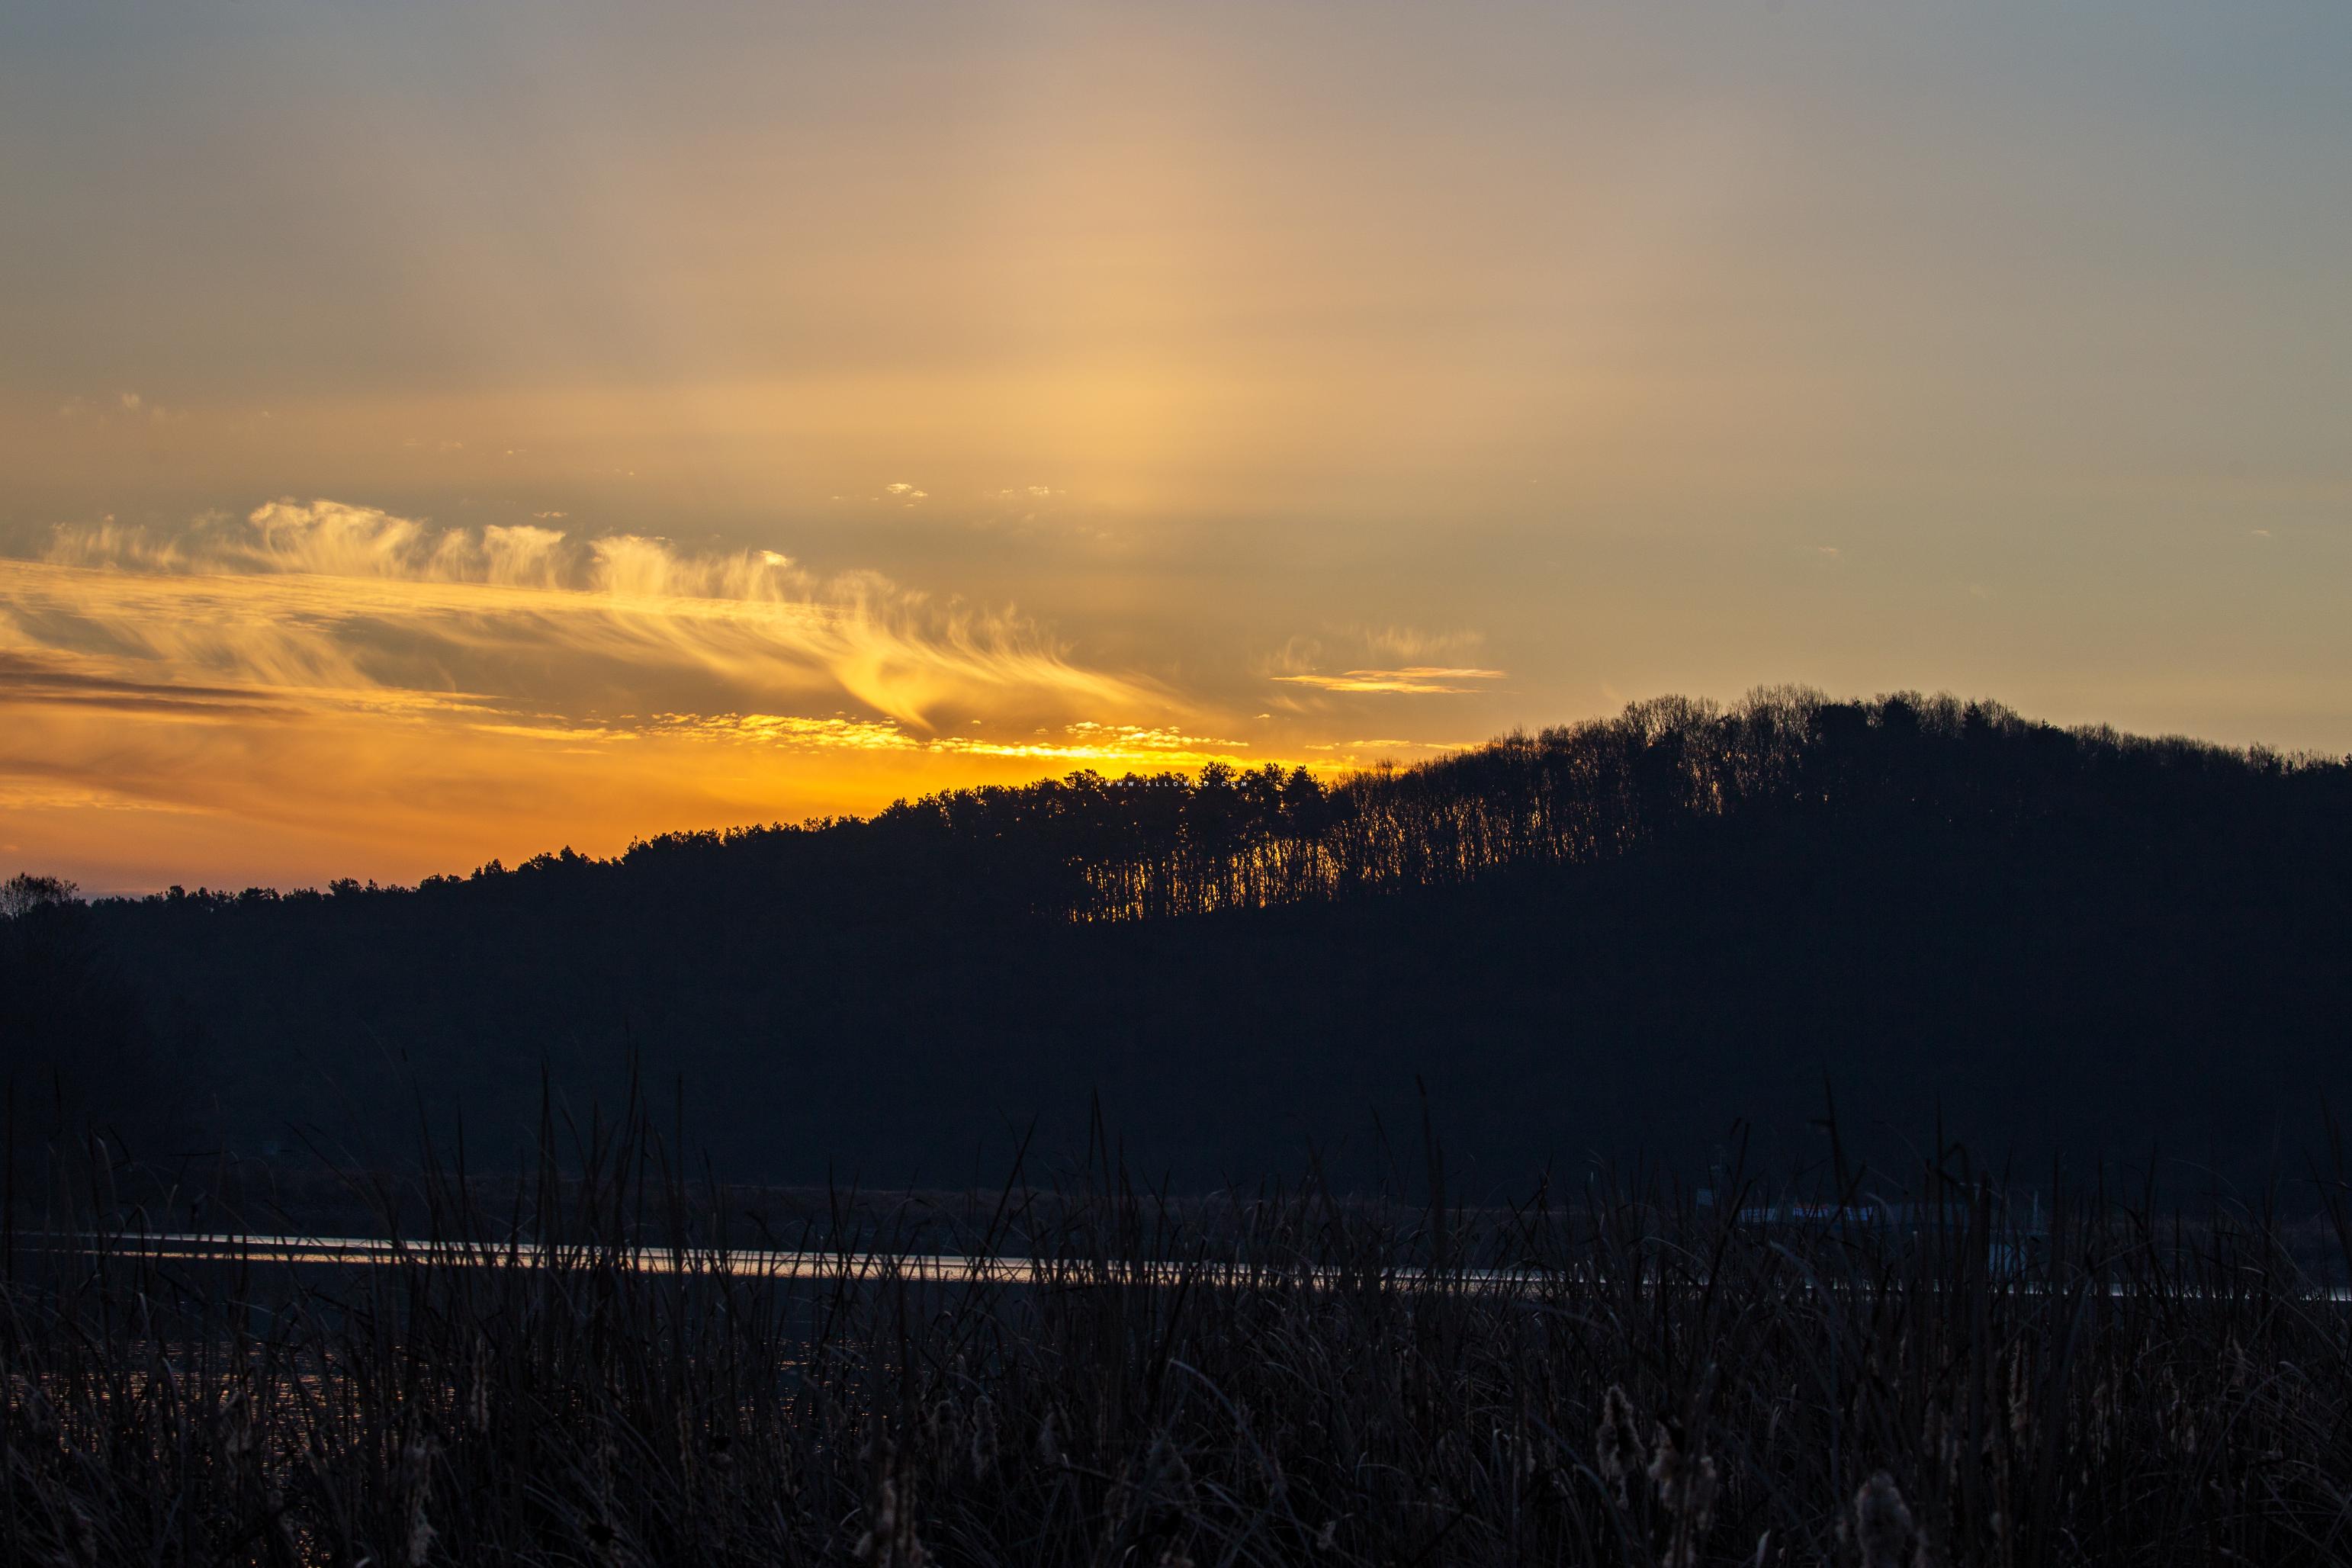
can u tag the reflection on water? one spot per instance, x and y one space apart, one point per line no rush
757 1264
752 1263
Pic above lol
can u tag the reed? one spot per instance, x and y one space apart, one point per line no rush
596 1371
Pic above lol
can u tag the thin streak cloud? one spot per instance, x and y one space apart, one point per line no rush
1414 680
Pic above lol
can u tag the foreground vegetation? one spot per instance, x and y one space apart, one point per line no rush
1610 1371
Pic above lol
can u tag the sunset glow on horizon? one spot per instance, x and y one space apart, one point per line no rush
438 433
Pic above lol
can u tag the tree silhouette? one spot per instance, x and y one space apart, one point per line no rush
1641 925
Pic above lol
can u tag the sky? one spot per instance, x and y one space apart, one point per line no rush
438 432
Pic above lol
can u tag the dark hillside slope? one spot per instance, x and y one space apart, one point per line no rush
1619 937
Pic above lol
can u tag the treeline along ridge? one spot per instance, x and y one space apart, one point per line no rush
1605 931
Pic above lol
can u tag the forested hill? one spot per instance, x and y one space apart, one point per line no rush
1613 935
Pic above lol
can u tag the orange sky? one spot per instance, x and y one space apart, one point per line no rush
443 431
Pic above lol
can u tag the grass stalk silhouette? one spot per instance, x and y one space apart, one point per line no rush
1289 1373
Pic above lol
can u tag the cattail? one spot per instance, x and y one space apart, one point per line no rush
983 1438
1666 1470
2101 1397
1941 1437
273 1505
890 1539
1882 1523
416 1483
2021 1396
605 1544
1049 1446
85 1533
41 1417
1700 1507
477 1392
420 1535
237 1441
1687 1490
2180 1420
1165 1473
601 1459
1612 1442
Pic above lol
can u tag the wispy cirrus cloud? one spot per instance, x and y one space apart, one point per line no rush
1394 660
315 687
1413 680
321 597
1415 645
1085 743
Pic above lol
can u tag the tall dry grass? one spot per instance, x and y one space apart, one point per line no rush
1606 1373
